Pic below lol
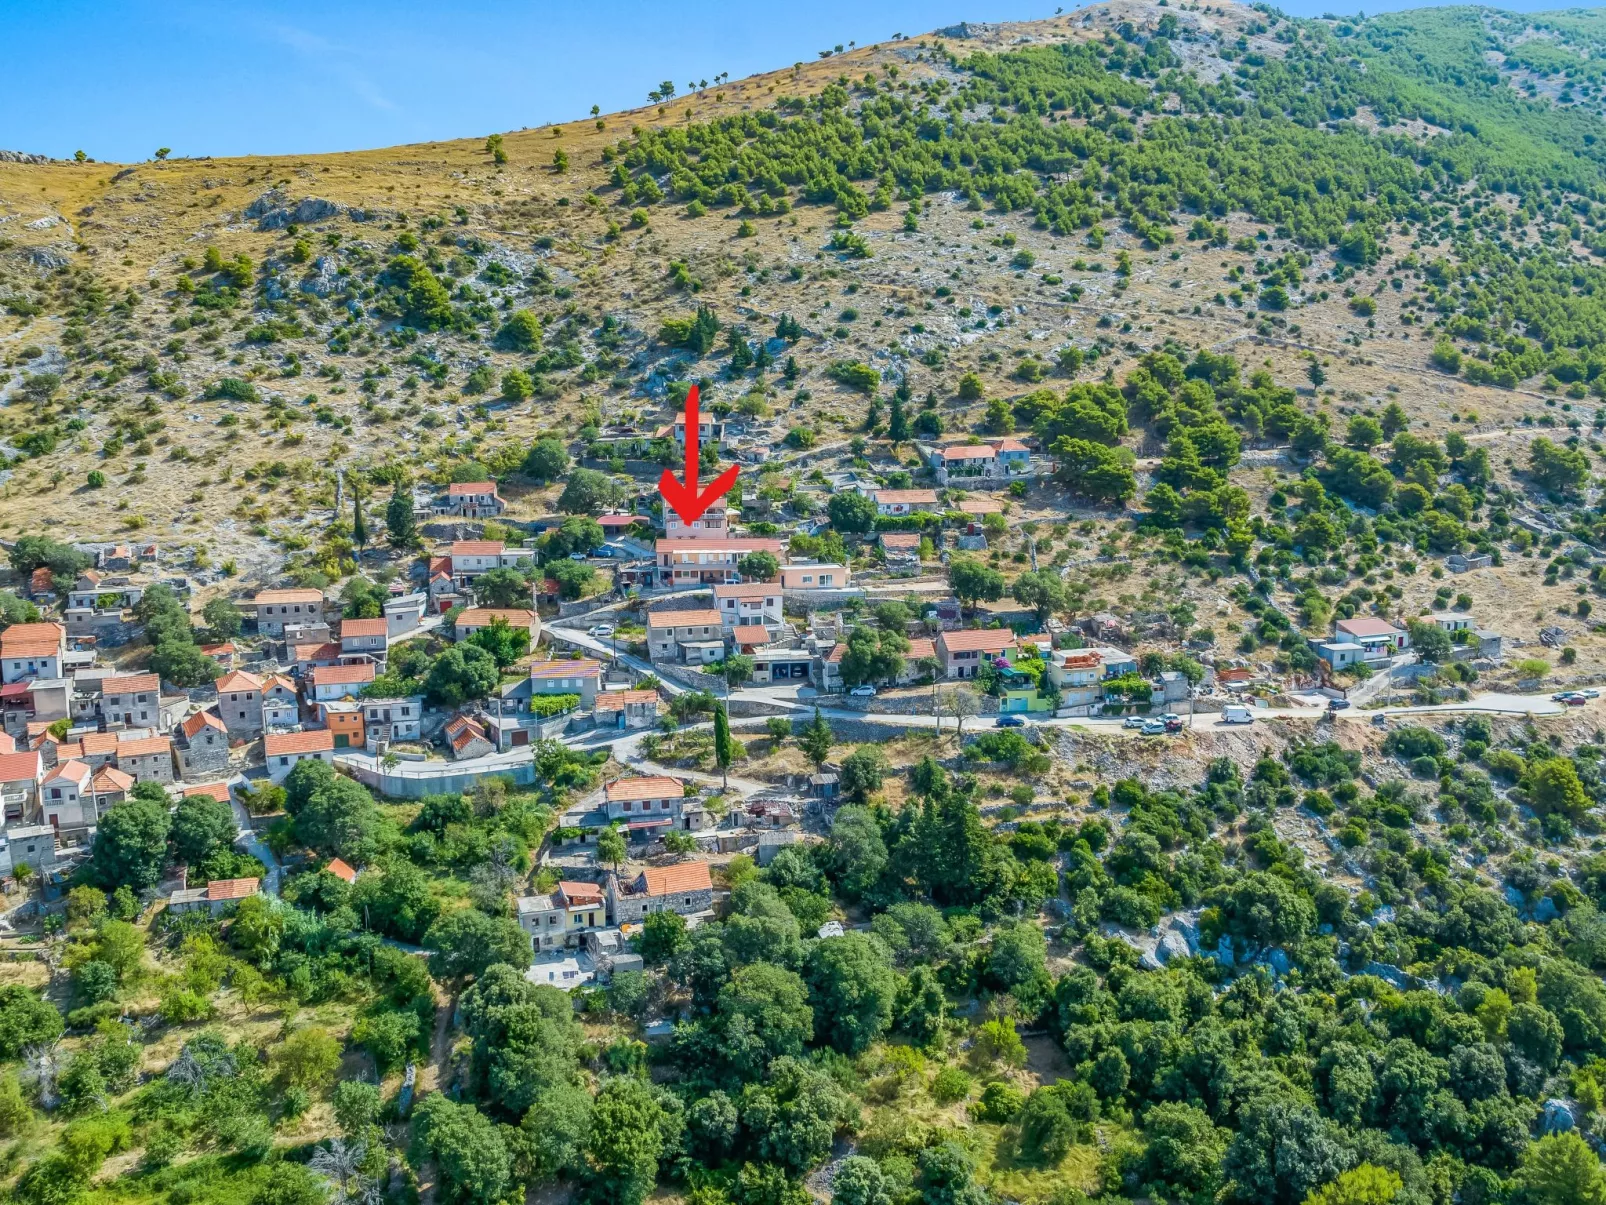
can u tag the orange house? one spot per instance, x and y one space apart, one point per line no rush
346 725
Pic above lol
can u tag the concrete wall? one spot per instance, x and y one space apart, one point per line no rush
414 780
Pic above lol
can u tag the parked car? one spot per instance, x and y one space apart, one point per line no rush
1380 720
1236 713
1173 723
1153 727
601 630
863 692
1011 721
1133 721
1574 701
1338 704
1590 694
1561 696
577 556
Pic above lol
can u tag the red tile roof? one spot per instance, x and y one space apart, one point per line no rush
903 540
656 786
276 597
463 489
584 668
362 627
72 771
979 506
477 547
109 779
618 700
212 790
482 617
132 684
970 452
684 876
318 741
906 497
749 590
683 619
191 727
750 633
231 889
148 746
31 640
991 640
340 870
237 681
342 675
580 893
15 767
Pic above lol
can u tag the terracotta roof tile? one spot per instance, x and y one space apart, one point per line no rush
275 744
682 877
656 786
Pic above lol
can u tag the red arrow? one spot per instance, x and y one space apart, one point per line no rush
689 504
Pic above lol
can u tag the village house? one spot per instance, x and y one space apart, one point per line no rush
215 897
814 575
563 917
963 653
283 750
707 562
474 500
1014 457
696 637
281 707
109 785
147 758
386 721
30 845
710 430
405 613
581 676
964 462
1451 622
276 608
467 738
468 559
901 549
131 702
327 683
304 658
742 604
685 888
202 745
897 503
239 703
473 619
342 870
1079 674
627 709
1379 638
34 701
746 639
365 639
19 782
66 798
32 650
976 510
648 805
713 523
921 649
344 720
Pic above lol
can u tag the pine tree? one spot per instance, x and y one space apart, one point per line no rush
400 528
815 740
724 747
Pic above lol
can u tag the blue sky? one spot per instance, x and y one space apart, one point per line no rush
223 78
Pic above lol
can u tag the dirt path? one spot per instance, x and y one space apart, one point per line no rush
430 1078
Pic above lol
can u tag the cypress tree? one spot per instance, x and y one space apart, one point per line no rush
400 528
724 747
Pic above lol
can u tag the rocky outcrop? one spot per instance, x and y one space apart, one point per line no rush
23 157
273 211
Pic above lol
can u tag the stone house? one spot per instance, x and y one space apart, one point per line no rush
627 709
468 738
684 888
215 897
276 608
202 745
131 702
239 703
697 637
897 503
148 758
962 654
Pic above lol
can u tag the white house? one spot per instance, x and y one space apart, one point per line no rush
32 650
283 750
741 604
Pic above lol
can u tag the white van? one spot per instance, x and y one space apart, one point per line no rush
1236 714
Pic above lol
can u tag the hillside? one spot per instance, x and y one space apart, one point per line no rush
979 214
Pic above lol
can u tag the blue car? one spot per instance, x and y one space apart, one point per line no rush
1011 721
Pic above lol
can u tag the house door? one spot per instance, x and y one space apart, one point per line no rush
342 741
520 737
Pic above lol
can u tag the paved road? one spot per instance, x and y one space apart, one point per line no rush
254 845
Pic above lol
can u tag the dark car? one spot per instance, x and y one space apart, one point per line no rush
1173 724
1338 704
1011 721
